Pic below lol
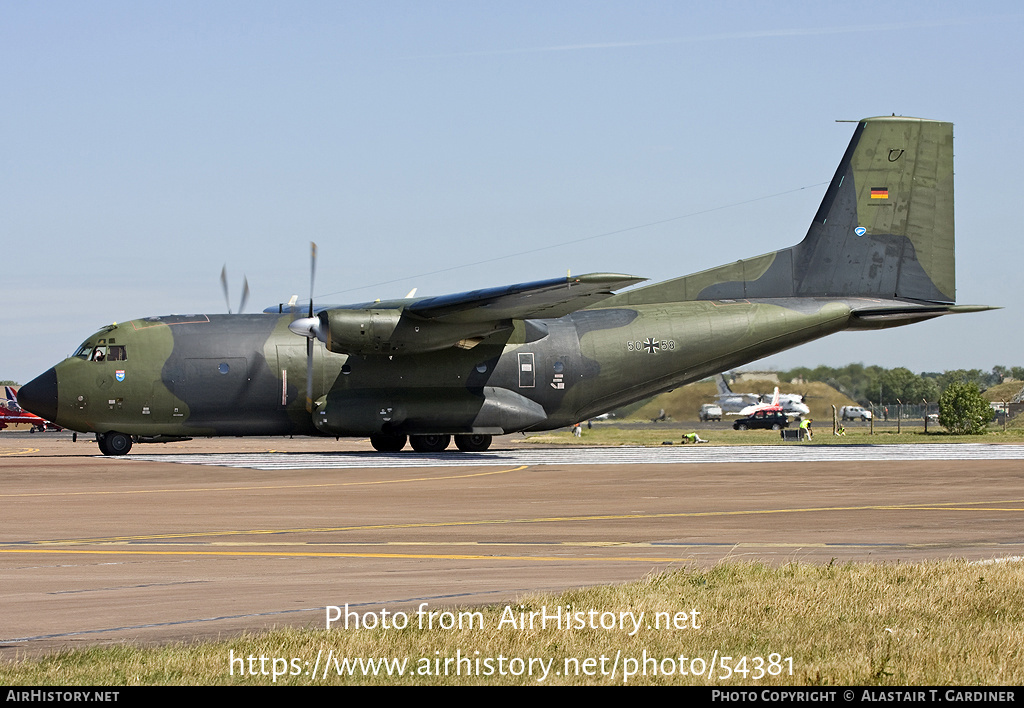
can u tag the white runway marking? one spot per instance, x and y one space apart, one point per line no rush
599 456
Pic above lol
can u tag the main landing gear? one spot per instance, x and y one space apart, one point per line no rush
472 443
430 443
115 444
383 442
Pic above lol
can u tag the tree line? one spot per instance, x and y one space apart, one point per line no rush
876 384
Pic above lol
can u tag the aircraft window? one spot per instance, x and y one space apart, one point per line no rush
84 351
98 354
481 368
223 368
117 353
559 367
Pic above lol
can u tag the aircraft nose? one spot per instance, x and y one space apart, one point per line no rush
39 395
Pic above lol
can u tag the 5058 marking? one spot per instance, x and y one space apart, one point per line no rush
651 345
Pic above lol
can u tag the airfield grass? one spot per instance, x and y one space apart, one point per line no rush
656 434
935 623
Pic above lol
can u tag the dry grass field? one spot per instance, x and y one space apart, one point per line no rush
944 623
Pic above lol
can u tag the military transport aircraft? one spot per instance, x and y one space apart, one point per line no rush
533 356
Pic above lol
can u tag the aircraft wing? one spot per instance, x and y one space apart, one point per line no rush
540 299
460 320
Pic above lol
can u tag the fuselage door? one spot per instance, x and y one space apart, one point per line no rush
527 370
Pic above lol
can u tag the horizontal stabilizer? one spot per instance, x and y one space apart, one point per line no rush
900 313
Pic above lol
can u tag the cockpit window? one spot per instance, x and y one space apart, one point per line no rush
102 352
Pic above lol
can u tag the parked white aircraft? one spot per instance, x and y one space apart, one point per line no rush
733 403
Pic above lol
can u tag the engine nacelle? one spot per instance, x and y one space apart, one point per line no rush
391 331
359 331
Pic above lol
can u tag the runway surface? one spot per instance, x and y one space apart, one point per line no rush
692 454
97 550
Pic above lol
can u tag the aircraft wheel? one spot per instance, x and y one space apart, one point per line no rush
429 443
115 444
388 443
472 443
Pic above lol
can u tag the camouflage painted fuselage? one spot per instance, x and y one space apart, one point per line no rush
201 375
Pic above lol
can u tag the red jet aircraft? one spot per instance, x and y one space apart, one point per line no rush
11 412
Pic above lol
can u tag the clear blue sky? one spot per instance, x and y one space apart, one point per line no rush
144 145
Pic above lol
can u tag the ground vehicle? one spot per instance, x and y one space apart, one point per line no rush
773 420
854 413
710 411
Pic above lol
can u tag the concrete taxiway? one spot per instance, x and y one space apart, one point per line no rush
254 533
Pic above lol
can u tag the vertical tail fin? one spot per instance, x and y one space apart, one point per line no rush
723 387
884 229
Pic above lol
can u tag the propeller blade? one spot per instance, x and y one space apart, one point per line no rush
309 341
224 285
245 296
312 274
309 375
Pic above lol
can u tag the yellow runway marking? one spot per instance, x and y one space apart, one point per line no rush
947 506
412 556
363 544
11 452
265 486
955 508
